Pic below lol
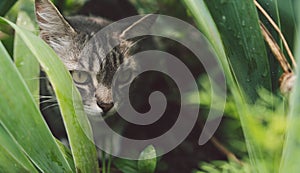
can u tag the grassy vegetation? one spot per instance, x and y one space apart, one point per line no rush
259 131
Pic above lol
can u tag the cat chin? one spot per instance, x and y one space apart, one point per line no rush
93 111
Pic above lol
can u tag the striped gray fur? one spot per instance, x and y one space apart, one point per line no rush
92 74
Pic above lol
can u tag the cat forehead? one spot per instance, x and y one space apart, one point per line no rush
93 64
101 53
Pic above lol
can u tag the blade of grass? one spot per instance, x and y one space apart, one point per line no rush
76 123
27 65
278 30
291 151
5 5
10 164
271 8
288 20
207 25
147 160
67 154
12 159
21 118
127 166
237 22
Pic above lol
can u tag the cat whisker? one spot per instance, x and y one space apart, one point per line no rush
48 101
44 97
39 78
31 79
50 106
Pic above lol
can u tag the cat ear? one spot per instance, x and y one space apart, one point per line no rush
54 29
140 27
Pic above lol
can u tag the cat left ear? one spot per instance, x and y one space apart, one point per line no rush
140 27
54 29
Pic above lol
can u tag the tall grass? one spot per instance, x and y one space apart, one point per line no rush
232 29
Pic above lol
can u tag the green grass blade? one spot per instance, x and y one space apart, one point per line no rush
27 65
21 118
69 100
147 160
273 11
12 159
127 166
5 5
67 154
207 25
237 22
10 164
291 150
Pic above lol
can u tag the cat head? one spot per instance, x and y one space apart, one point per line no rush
92 74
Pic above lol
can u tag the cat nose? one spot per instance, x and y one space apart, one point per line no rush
105 106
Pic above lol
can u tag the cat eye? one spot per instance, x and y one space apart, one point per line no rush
80 77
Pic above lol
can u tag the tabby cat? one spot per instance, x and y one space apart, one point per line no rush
92 72
68 36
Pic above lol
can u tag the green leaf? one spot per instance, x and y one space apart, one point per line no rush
12 159
5 6
20 117
76 123
237 22
27 65
208 27
147 160
126 166
10 164
67 154
272 9
291 150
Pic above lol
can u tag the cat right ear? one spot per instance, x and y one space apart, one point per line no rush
140 27
54 29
